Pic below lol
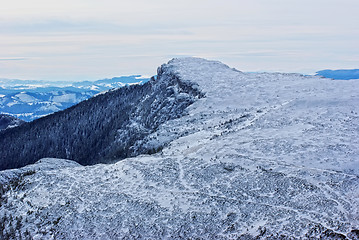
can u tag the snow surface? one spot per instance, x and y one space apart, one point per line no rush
23 97
65 98
261 155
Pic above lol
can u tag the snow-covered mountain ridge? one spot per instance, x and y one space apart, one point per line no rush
103 129
261 156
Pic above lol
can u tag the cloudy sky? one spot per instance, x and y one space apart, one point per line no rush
93 39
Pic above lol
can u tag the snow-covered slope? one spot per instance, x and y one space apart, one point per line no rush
260 156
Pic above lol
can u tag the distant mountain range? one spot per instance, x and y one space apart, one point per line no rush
29 99
343 74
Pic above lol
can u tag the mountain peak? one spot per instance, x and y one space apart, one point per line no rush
242 156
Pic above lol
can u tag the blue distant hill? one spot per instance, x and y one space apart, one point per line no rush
31 99
343 74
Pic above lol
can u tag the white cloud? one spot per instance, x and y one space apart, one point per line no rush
90 38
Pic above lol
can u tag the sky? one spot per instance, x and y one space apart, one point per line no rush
74 40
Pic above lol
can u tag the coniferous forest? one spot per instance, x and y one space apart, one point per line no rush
101 129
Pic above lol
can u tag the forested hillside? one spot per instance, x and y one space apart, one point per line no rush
7 121
101 129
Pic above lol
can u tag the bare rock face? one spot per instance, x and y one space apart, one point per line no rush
252 156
